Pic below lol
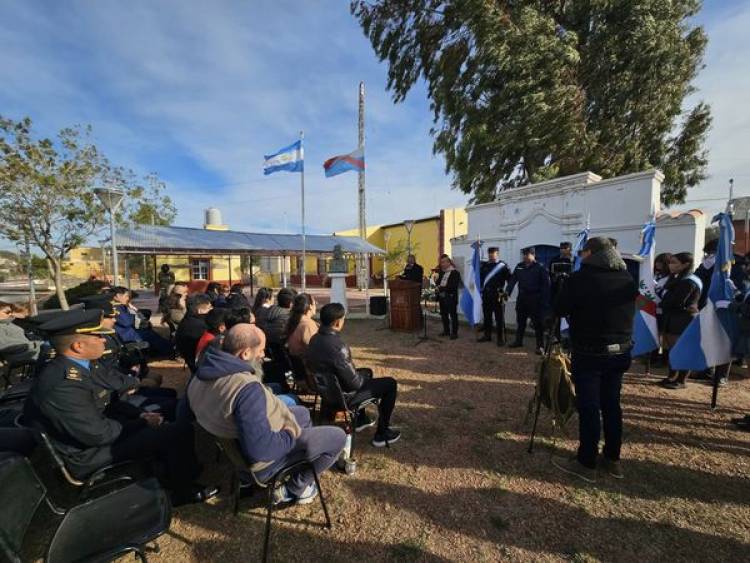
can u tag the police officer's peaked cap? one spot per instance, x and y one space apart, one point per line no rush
493 249
76 322
529 250
101 302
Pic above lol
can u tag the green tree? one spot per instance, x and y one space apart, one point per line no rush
46 191
526 90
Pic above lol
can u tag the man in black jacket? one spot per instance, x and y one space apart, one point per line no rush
275 321
191 329
412 271
494 274
533 297
599 302
327 353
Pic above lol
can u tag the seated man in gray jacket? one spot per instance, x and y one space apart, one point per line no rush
230 401
14 346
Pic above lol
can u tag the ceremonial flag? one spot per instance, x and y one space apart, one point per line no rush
708 339
345 162
291 159
471 296
645 331
583 236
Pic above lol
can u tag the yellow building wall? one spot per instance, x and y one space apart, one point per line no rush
83 262
455 224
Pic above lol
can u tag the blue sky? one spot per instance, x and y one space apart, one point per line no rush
199 91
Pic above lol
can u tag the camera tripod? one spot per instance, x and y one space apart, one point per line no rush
536 402
423 337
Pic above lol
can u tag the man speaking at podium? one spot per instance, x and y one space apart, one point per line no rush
412 271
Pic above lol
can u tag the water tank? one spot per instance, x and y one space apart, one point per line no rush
213 217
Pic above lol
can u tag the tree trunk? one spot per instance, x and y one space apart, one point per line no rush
59 289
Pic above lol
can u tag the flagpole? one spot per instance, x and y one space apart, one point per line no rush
304 239
364 265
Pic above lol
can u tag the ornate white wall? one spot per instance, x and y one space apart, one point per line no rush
557 210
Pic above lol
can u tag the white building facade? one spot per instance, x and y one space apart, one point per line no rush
544 214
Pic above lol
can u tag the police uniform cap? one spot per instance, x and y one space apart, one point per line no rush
101 302
529 250
76 322
493 249
45 316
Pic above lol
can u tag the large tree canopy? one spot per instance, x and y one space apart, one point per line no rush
525 90
46 192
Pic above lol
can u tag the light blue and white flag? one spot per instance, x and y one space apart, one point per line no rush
581 239
291 159
645 331
709 338
471 296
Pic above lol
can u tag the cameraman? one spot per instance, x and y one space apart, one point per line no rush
599 301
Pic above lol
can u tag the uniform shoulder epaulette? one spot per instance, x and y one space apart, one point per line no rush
73 374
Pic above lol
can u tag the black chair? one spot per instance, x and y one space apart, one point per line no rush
9 366
103 529
230 448
17 392
96 480
332 397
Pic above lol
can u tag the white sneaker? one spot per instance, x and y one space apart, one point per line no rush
308 495
281 495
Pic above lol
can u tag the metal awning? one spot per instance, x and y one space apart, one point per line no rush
154 239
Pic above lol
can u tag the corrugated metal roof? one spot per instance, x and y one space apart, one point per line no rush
150 239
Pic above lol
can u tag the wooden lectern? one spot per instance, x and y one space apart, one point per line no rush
406 312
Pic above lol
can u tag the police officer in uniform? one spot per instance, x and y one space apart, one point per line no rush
493 274
69 406
533 297
561 266
598 301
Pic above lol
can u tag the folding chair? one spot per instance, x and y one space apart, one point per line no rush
332 396
93 481
102 529
232 451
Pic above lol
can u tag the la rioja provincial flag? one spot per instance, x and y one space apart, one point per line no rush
645 331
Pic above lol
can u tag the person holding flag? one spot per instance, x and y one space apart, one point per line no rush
709 339
493 274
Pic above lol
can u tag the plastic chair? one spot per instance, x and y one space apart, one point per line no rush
102 529
232 451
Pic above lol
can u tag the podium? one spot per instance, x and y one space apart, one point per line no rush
406 312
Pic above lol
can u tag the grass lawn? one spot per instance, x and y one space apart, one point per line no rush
460 486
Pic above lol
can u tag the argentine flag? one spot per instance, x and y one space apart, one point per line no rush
291 159
471 296
708 339
645 331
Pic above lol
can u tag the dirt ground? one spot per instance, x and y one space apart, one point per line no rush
460 486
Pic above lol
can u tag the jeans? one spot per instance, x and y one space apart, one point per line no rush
598 380
383 388
321 443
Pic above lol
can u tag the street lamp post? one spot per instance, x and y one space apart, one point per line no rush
408 225
111 200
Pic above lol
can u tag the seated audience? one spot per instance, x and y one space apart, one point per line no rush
15 347
242 315
237 298
278 317
263 303
215 328
65 403
301 327
327 353
230 402
132 326
176 305
191 329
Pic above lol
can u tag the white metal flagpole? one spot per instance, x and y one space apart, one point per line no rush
364 263
304 240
